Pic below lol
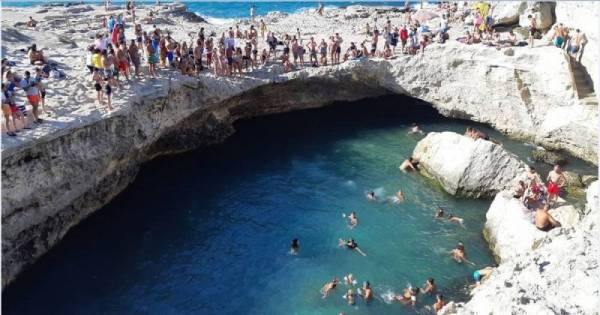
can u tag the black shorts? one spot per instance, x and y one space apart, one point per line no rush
230 60
43 93
92 69
98 87
338 49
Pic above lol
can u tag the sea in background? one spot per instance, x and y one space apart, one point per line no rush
208 231
234 9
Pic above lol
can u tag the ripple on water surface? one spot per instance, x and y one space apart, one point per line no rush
208 231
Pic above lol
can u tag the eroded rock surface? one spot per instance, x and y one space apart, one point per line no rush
558 276
467 167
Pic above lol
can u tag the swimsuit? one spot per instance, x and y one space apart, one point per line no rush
98 87
476 275
553 189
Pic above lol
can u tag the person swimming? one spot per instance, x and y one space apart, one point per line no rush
440 213
351 244
399 197
349 280
429 286
409 164
295 247
459 254
350 297
371 196
455 219
439 303
366 292
415 129
409 296
352 220
328 287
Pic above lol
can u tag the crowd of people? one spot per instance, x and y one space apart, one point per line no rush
16 116
113 57
539 197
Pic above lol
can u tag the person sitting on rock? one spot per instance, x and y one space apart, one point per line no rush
556 180
31 22
544 220
35 55
409 165
519 190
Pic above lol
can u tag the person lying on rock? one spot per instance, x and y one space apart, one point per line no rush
544 220
482 274
410 164
459 254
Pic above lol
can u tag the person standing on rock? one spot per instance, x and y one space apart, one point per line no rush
532 29
555 180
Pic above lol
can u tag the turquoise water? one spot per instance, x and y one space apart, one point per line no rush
232 9
208 231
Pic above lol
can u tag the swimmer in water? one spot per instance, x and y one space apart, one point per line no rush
352 220
415 129
439 303
429 286
366 292
349 280
328 287
456 219
371 196
459 254
399 197
352 245
295 247
410 295
349 296
440 213
409 165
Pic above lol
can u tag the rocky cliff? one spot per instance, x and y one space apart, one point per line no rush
51 183
557 275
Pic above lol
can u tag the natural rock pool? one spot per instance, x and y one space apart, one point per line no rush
209 231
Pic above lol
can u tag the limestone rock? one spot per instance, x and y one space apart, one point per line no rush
509 52
79 9
549 157
578 15
588 179
467 167
508 12
564 262
543 13
356 11
572 179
